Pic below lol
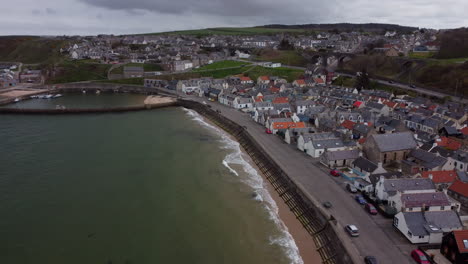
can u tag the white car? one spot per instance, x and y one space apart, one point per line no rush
352 230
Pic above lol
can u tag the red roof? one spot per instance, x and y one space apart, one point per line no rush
285 125
281 100
440 176
391 104
448 143
264 78
246 79
465 131
362 140
300 81
460 188
357 104
318 80
274 89
461 235
259 99
348 124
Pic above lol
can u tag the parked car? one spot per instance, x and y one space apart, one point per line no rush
419 257
351 188
352 230
335 173
370 260
268 131
412 86
371 209
360 199
327 204
390 81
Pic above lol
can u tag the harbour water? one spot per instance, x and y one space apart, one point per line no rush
159 186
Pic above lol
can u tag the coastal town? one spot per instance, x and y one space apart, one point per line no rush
398 152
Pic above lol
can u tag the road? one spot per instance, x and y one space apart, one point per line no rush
377 235
414 89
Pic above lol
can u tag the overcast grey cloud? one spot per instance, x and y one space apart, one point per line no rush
87 17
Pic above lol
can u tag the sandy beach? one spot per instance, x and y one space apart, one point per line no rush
303 239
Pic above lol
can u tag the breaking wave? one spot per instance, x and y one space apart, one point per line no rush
236 157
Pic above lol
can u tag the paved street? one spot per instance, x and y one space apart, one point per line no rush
377 236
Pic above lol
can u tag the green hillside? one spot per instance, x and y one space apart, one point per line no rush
28 49
232 31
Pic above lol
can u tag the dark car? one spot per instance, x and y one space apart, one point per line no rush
327 204
371 209
370 260
390 81
412 86
360 199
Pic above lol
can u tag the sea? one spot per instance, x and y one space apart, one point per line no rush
156 186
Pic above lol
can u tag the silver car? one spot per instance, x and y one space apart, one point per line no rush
352 230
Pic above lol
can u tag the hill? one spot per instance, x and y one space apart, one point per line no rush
453 44
231 31
367 27
30 49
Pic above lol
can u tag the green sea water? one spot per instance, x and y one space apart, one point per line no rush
157 186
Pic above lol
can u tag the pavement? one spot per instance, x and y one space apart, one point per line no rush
377 235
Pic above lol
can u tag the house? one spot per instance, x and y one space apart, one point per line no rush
263 80
419 202
246 80
386 188
227 99
277 124
242 102
316 144
427 226
455 246
292 134
133 72
441 179
459 191
448 143
339 158
299 83
419 160
364 167
389 147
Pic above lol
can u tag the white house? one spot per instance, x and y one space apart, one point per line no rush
427 226
425 201
241 103
385 188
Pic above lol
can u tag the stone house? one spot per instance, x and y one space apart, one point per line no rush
386 148
339 158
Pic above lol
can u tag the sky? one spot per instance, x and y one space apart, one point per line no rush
92 17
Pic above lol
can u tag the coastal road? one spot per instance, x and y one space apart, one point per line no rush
377 236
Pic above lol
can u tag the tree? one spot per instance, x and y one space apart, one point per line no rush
285 45
362 81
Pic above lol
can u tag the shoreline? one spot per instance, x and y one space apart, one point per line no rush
287 220
302 238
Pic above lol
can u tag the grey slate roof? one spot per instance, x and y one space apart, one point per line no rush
365 164
395 141
427 159
342 154
415 222
328 143
408 185
443 219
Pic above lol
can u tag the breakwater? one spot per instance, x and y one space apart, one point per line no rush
319 226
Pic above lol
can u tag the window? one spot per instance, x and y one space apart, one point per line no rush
410 234
410 209
442 208
421 236
395 222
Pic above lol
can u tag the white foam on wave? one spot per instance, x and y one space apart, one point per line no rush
285 240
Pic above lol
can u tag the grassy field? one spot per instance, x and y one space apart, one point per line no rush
221 65
286 57
148 67
231 31
421 55
76 71
286 73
